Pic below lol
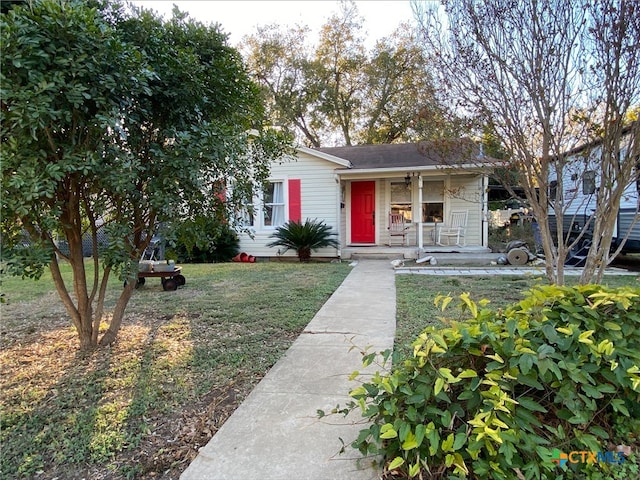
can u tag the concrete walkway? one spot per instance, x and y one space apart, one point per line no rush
275 433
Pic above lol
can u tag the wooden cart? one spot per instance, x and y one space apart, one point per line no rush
170 280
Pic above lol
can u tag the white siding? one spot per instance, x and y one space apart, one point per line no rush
462 192
465 193
319 198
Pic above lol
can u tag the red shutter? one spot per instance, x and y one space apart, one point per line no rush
295 200
220 191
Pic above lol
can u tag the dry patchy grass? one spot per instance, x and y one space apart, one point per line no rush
182 363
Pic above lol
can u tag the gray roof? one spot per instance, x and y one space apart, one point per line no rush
401 155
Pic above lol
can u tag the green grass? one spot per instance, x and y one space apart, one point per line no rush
415 295
182 363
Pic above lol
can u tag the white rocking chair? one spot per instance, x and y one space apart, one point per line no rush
397 227
456 228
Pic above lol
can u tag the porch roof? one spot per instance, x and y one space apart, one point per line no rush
442 153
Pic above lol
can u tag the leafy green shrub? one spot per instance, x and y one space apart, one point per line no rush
304 237
202 240
499 394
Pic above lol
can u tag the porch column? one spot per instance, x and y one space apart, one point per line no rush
341 239
485 210
419 213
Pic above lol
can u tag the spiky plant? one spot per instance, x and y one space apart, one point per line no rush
303 237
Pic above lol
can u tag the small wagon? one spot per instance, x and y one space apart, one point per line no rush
170 275
170 279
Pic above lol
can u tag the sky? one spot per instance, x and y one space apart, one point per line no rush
240 17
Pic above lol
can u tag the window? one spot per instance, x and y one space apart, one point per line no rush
432 201
273 213
553 190
244 216
589 182
401 200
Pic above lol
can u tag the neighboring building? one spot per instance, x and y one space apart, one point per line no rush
354 189
581 180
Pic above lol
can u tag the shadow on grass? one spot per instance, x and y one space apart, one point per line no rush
182 363
60 426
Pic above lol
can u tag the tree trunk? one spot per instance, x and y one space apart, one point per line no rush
603 228
100 305
304 254
118 313
85 320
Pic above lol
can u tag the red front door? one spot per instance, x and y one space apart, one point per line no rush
363 215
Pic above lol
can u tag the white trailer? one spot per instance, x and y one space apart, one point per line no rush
581 180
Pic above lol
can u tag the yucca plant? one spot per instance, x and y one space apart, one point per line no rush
304 237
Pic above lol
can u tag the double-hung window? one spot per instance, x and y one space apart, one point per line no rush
273 206
401 199
432 201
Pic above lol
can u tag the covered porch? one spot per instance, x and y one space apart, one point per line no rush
424 205
450 254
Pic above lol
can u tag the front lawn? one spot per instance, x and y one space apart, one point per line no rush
183 362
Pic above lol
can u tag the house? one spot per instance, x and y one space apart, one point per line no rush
355 189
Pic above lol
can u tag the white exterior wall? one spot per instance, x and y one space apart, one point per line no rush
575 202
320 199
465 193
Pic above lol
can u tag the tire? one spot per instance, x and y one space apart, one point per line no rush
180 280
139 282
170 285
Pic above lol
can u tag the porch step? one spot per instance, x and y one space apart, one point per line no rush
465 258
444 255
379 256
442 258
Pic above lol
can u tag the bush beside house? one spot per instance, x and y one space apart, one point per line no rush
304 237
201 240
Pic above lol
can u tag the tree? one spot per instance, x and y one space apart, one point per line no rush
338 92
338 68
613 82
526 68
318 93
117 121
280 63
400 101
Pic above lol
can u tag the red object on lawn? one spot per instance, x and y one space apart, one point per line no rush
243 257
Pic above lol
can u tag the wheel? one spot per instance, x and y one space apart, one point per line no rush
180 280
170 285
140 282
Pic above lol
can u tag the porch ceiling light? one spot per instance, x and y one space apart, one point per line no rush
407 179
